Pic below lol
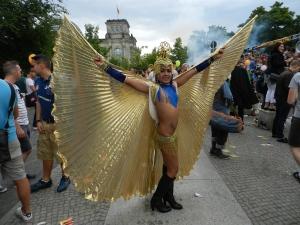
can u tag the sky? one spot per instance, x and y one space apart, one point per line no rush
153 21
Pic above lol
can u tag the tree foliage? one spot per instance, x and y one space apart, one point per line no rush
28 26
179 52
91 34
272 24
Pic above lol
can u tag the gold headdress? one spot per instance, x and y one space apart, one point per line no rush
163 57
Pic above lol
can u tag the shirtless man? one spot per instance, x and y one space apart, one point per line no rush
164 98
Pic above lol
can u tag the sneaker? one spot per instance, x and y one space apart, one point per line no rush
283 140
296 175
40 185
25 217
218 153
63 184
3 189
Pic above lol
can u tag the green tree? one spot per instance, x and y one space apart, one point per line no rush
136 59
179 52
91 34
276 23
121 62
28 26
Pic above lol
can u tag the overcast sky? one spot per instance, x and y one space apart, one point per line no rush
153 21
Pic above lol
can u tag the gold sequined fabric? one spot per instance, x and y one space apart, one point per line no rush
104 131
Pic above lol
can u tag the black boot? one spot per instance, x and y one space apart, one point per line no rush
169 197
218 153
165 169
157 199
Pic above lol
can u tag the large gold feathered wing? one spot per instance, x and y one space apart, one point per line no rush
103 128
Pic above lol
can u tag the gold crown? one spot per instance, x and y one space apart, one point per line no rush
163 59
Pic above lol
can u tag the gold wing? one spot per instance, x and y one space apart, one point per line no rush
104 130
103 127
196 98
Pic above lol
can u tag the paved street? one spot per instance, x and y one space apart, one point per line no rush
254 187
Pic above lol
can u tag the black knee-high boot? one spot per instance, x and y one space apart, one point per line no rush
169 196
161 190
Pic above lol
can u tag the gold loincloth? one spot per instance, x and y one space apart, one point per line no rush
167 145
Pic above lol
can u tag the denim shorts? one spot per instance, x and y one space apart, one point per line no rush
25 142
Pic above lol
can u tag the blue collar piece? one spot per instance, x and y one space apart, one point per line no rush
170 92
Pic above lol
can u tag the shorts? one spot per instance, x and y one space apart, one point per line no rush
14 168
25 142
46 144
294 135
167 144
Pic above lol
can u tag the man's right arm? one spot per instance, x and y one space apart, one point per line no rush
137 84
38 117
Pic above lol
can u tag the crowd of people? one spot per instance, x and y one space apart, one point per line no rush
18 93
269 80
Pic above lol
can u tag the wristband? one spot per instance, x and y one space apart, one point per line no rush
203 65
115 74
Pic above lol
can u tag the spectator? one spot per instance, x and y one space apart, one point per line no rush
222 100
184 68
282 107
46 145
21 122
276 65
31 92
242 90
294 136
13 166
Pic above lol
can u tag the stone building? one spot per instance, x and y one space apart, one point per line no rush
118 39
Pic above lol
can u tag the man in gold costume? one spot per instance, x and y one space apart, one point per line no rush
163 105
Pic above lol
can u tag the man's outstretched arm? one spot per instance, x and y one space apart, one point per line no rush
137 84
183 78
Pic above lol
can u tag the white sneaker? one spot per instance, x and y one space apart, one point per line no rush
24 217
3 189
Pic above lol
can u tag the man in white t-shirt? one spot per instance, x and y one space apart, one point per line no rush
22 123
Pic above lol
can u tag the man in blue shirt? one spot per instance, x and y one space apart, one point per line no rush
46 145
13 168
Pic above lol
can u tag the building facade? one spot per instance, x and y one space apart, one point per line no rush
118 39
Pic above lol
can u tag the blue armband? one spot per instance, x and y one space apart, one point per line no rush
204 64
115 74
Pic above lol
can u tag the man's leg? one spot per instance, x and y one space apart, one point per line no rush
23 191
44 153
275 123
47 169
283 114
294 142
15 170
220 138
296 155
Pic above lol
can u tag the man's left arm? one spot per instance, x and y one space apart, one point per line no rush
183 78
